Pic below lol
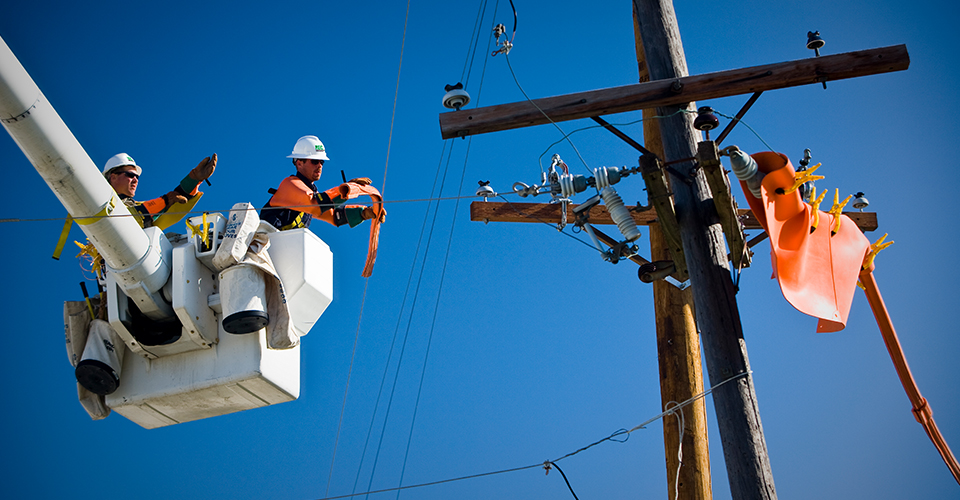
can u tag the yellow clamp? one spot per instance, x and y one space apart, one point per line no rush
874 250
90 251
194 230
836 210
802 177
816 207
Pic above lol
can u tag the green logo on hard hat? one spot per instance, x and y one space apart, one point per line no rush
129 159
319 147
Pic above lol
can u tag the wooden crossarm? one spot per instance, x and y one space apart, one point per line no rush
495 211
678 91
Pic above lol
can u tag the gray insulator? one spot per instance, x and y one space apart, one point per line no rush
613 175
745 168
579 183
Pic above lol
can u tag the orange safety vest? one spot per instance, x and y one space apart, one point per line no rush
295 194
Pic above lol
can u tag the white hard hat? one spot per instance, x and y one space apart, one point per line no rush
120 160
309 146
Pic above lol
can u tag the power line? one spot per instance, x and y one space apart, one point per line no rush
366 283
671 411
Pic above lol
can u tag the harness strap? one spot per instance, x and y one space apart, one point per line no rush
105 211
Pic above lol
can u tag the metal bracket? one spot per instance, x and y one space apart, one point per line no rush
709 158
659 196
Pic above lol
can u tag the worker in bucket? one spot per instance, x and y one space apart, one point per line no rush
297 201
98 357
123 174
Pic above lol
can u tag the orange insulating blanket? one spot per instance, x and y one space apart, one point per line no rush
351 190
817 271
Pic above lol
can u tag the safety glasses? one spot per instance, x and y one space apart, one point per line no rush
129 174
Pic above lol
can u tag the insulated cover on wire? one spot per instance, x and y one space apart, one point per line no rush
817 271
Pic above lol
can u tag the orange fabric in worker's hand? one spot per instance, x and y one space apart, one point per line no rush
817 272
293 193
350 190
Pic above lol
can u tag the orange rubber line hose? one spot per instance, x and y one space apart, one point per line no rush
921 409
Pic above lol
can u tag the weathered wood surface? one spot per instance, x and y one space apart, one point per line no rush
678 349
715 302
497 211
674 91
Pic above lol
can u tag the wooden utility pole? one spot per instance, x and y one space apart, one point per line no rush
738 416
692 216
678 349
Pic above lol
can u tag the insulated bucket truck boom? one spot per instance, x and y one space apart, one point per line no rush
163 292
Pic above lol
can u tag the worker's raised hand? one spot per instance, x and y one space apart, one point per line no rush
204 169
173 197
371 213
363 181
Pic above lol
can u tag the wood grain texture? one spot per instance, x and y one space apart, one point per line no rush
674 91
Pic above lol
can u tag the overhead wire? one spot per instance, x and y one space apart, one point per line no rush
507 57
545 151
406 334
474 43
443 272
400 317
517 210
363 299
611 437
414 302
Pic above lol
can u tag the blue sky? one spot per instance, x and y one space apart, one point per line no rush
539 347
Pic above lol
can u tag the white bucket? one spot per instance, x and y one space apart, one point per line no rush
243 299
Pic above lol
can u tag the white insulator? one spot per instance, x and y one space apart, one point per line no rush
600 174
619 213
566 185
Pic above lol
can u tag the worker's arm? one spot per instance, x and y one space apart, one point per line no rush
294 194
188 188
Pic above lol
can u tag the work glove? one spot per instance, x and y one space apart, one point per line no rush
204 169
363 181
173 197
370 213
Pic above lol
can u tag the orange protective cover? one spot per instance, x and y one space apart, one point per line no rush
817 271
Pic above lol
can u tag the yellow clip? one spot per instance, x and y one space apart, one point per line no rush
874 250
802 177
205 235
816 207
836 210
90 251
194 230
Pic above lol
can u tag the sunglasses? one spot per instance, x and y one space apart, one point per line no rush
129 174
315 162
